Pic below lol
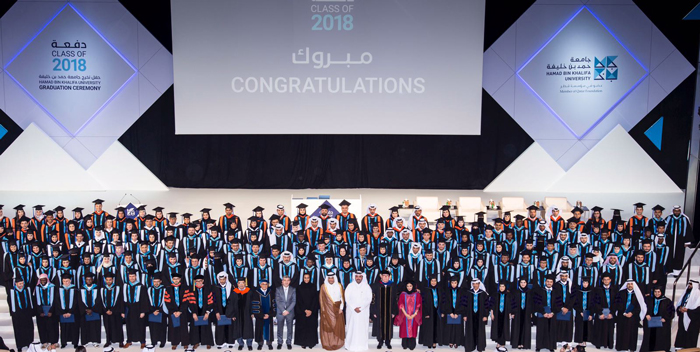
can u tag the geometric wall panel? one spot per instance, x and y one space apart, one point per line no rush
609 63
135 70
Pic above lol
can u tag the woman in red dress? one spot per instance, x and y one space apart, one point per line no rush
410 315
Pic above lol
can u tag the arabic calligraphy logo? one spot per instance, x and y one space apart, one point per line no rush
605 69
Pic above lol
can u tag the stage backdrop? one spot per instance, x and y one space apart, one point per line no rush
328 66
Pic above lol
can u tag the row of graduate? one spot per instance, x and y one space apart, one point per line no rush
343 228
608 316
646 266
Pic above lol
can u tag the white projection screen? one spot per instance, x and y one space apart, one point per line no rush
410 67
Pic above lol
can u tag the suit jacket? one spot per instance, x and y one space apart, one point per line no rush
288 303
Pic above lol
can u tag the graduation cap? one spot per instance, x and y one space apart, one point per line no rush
49 213
344 202
454 278
229 206
519 217
258 208
253 218
274 217
64 276
141 207
149 217
157 209
38 207
110 217
658 207
445 207
205 210
533 207
58 208
497 221
1 206
302 206
325 206
98 201
394 208
596 208
460 218
19 207
89 274
576 209
172 215
186 215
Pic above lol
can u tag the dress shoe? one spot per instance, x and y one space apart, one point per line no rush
127 345
143 345
195 346
259 347
107 344
379 346
64 345
250 348
174 348
162 344
269 347
240 348
289 347
279 346
388 346
208 347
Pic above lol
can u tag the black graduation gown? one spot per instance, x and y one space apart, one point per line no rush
307 299
68 304
546 337
243 326
521 334
156 302
90 331
264 304
500 323
201 302
225 305
135 304
47 325
604 329
583 331
176 299
451 303
430 329
475 332
382 311
688 338
565 299
21 311
627 328
658 339
111 301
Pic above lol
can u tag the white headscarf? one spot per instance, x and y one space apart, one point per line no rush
317 219
398 218
361 285
481 285
372 205
334 291
413 214
228 283
548 215
693 302
640 298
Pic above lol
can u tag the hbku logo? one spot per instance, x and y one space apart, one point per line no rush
605 69
130 211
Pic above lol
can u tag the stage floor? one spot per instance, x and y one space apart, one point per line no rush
192 200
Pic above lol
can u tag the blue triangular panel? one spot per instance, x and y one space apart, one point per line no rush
3 131
655 132
694 14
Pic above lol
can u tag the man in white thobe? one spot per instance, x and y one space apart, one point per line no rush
358 297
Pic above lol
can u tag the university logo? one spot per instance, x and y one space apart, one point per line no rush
130 211
605 69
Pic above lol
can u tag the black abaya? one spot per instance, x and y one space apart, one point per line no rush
307 299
